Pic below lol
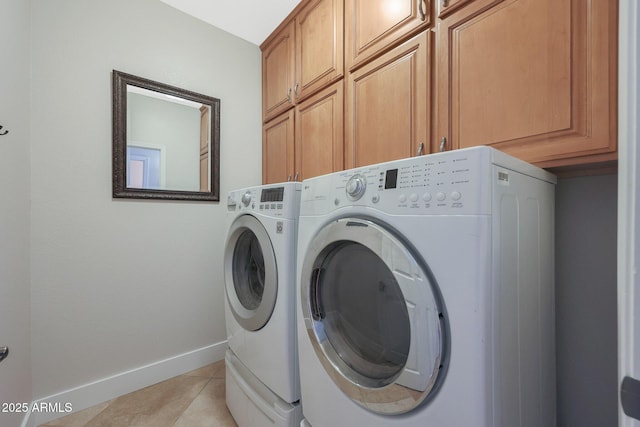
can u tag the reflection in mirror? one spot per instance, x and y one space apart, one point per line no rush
165 141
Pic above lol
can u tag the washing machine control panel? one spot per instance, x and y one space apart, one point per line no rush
356 186
456 182
277 200
427 184
246 198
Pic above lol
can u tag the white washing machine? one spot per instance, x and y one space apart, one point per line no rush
262 381
427 293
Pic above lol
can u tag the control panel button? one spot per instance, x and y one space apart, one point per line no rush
413 197
356 187
456 195
402 198
375 198
426 197
441 196
246 198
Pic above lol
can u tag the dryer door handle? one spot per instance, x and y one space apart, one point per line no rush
316 308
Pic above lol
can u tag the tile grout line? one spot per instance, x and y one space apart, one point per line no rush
103 409
193 400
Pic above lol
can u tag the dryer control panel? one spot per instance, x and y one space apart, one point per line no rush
453 182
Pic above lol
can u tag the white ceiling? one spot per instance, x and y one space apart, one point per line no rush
252 20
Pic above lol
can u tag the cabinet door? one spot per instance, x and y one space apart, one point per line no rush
446 7
320 133
277 149
388 112
371 26
319 46
277 72
534 78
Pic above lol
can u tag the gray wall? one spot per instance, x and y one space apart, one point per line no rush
119 284
586 304
15 377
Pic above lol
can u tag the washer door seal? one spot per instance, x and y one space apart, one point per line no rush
374 316
251 274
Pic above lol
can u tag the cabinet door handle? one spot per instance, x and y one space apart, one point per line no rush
445 3
420 149
443 143
289 96
295 90
288 178
295 178
423 15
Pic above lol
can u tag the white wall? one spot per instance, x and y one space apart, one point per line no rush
15 376
586 298
118 284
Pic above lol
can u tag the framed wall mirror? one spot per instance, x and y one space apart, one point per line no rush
166 141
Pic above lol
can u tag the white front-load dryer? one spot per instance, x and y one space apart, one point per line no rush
426 293
262 382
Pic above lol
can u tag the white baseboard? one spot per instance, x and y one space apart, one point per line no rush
91 394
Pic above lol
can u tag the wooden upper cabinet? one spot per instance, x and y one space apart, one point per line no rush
446 7
388 105
319 136
371 26
307 140
278 72
534 78
319 46
303 55
278 155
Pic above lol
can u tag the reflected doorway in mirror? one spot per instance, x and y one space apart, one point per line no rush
145 167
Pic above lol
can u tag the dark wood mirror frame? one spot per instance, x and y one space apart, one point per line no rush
120 81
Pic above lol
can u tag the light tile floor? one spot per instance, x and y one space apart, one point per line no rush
195 399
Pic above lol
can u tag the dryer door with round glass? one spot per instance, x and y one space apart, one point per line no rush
250 273
374 316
